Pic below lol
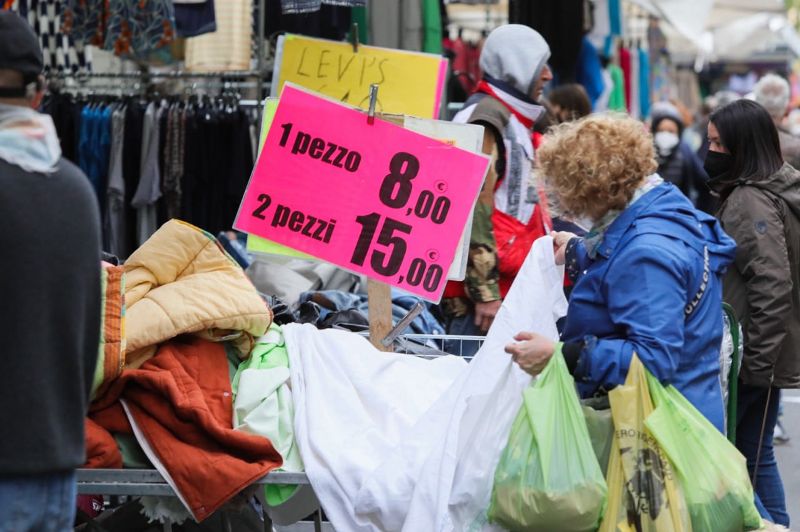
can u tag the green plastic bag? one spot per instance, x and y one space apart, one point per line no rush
711 471
548 477
601 432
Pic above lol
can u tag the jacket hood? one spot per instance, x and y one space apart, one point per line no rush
674 215
515 54
784 183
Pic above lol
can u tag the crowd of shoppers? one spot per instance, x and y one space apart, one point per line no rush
655 231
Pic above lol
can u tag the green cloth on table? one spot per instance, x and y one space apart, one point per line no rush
263 405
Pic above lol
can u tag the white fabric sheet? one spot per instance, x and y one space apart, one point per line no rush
392 442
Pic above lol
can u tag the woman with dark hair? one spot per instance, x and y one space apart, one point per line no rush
569 102
760 209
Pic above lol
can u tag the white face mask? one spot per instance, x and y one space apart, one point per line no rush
665 142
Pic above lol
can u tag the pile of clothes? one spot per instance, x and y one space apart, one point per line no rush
193 375
180 317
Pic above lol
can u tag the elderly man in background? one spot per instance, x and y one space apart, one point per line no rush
773 93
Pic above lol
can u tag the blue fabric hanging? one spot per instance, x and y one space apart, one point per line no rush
644 83
589 71
615 16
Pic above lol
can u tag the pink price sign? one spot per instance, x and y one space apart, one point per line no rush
374 199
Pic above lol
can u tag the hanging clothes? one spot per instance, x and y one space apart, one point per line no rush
633 106
114 219
131 169
127 27
644 83
617 99
66 116
589 72
152 161
432 27
608 87
228 48
149 190
615 17
329 22
174 154
195 18
217 165
292 7
94 148
60 51
625 65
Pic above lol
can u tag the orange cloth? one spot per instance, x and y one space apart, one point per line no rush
101 449
181 401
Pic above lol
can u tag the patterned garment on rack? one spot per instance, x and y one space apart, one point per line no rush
173 160
312 6
125 27
60 51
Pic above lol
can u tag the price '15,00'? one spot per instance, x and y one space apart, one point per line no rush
395 193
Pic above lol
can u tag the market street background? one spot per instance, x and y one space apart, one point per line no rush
789 457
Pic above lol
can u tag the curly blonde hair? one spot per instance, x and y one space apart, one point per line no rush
595 164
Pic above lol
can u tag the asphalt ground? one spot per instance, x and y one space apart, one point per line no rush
789 455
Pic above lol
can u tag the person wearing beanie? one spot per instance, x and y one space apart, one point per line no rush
511 211
677 162
51 281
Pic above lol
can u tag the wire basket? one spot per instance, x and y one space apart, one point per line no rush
438 345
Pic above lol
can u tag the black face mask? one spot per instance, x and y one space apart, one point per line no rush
717 164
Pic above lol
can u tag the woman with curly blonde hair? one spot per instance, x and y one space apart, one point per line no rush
647 275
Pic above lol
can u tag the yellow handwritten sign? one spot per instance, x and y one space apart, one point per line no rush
410 83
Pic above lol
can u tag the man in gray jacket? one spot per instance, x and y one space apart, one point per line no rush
50 310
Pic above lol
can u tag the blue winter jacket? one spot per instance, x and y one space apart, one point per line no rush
635 295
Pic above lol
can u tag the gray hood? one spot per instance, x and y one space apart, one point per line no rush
515 54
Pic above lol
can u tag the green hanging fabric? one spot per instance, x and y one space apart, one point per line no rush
616 101
432 27
359 16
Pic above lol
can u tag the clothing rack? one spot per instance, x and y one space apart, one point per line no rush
227 80
172 74
205 85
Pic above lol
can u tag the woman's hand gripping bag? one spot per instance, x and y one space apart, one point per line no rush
548 477
711 471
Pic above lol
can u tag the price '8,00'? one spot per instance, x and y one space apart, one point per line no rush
395 192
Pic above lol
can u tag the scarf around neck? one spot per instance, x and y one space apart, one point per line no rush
598 231
522 107
28 139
